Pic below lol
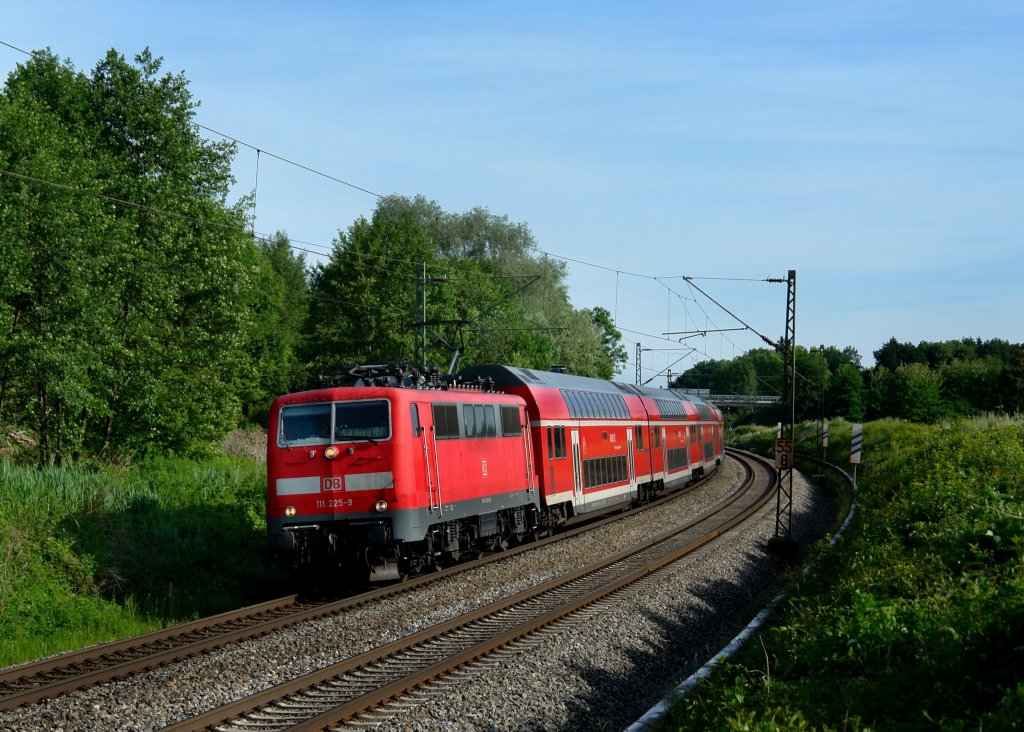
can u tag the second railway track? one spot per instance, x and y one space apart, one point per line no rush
161 696
32 682
330 696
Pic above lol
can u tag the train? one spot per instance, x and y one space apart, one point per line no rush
394 470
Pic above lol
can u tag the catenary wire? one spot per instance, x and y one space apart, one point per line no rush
341 181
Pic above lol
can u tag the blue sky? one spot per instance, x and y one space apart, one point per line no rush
877 148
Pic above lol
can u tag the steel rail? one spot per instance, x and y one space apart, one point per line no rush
322 692
35 681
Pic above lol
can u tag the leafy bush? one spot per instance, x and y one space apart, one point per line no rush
916 619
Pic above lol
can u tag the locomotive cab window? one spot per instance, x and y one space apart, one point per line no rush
304 424
363 420
321 424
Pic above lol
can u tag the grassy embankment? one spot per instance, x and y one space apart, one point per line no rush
916 619
88 555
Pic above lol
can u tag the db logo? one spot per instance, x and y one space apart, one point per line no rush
334 484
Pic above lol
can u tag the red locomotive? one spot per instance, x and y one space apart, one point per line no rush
401 472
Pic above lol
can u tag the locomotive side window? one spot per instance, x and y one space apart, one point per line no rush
446 421
368 420
510 424
415 414
481 420
478 421
304 424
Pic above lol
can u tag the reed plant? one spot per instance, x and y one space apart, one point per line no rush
92 554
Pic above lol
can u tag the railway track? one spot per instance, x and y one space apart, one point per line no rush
33 682
386 675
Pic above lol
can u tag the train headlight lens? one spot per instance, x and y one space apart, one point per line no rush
289 511
381 506
331 452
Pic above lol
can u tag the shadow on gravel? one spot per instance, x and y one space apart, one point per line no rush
707 614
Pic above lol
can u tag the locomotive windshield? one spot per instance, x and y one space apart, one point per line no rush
321 424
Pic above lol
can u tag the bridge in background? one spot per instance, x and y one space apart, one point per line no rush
734 400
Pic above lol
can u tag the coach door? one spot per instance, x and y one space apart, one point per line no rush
577 470
629 460
527 449
664 451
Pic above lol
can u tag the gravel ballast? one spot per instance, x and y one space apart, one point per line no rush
601 673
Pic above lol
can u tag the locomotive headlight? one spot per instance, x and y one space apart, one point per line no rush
381 506
331 452
289 511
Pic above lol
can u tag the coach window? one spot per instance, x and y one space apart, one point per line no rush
588 405
639 437
571 403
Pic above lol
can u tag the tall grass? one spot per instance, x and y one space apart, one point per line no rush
916 619
90 555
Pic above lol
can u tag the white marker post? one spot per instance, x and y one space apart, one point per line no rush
856 441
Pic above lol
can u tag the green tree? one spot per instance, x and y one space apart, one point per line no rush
488 294
128 322
846 393
894 354
363 299
919 394
280 315
611 343
735 376
970 387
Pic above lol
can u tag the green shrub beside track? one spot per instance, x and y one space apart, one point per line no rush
91 555
916 619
